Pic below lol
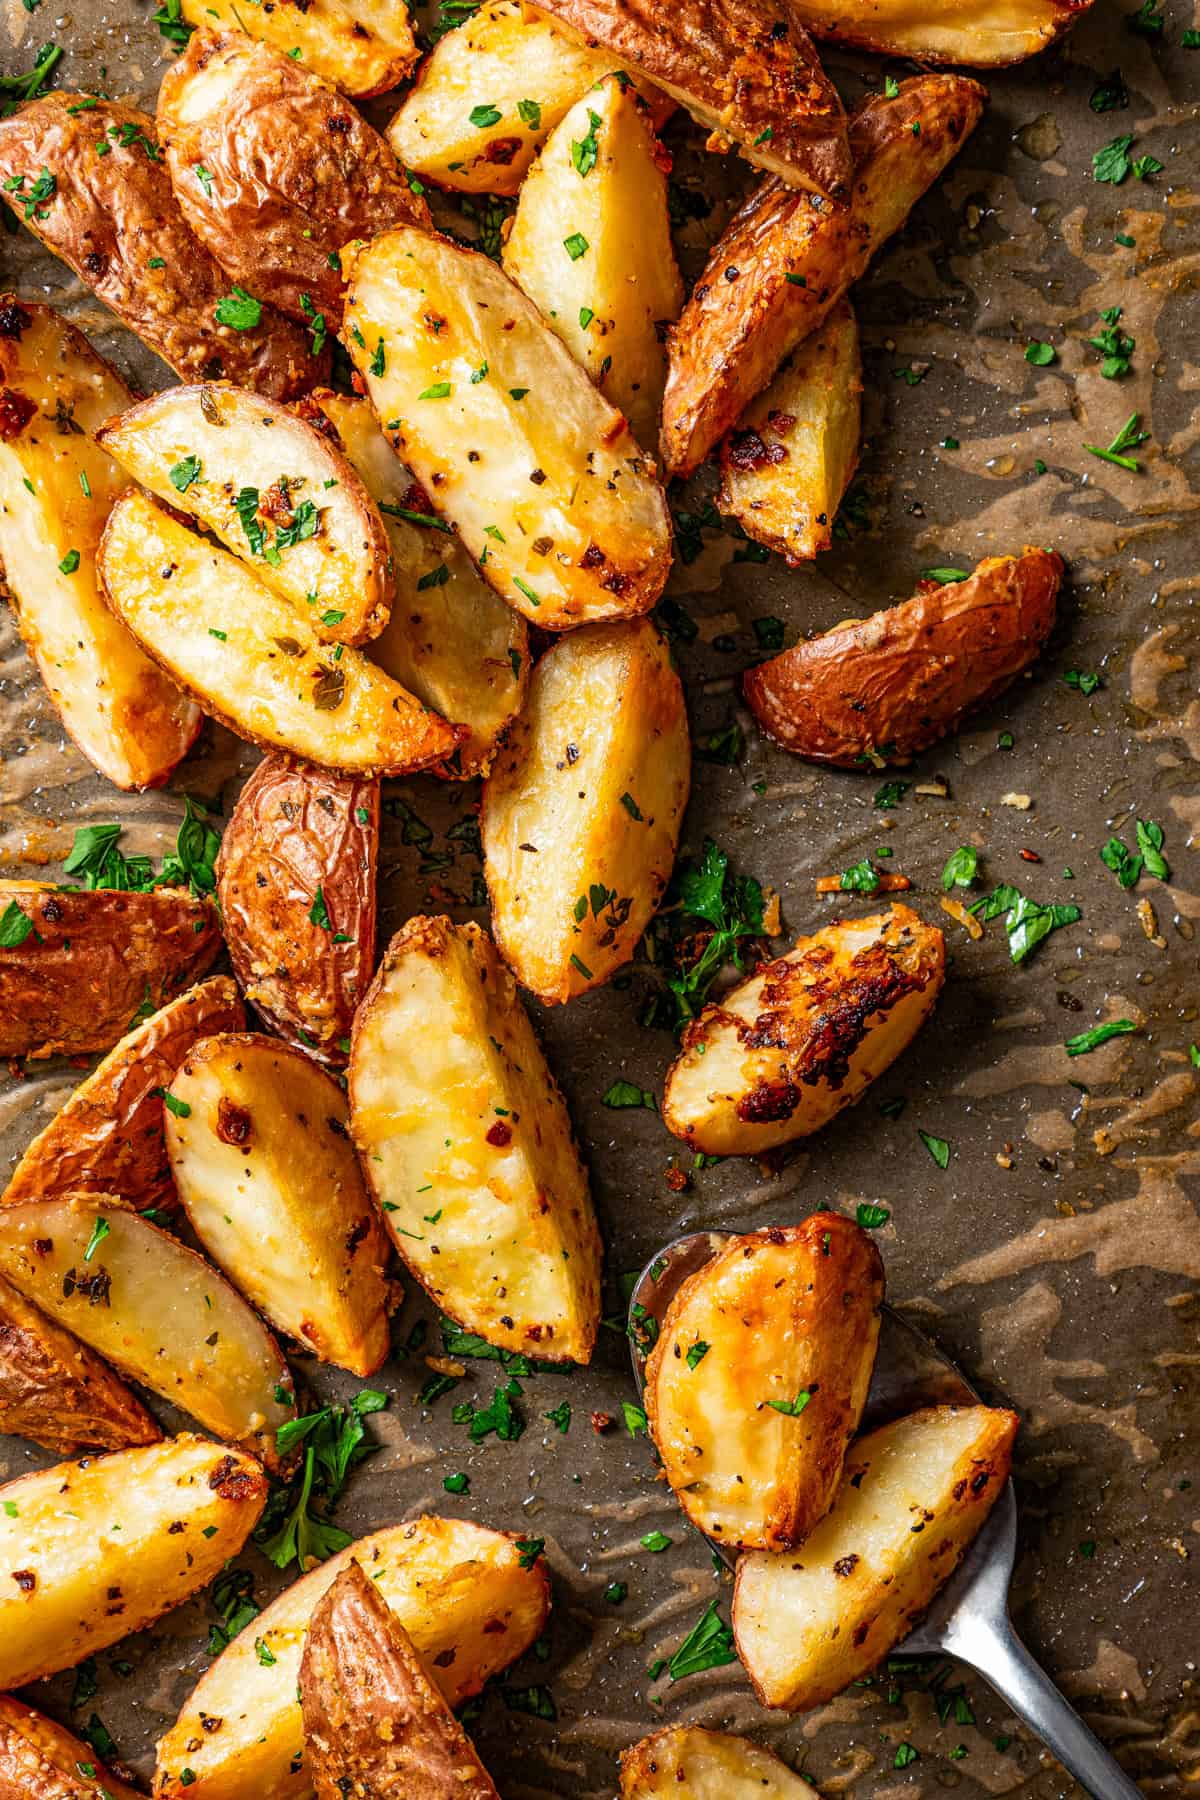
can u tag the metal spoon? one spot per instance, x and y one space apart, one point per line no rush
969 1620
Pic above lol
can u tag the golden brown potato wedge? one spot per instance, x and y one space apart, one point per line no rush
795 261
97 1549
360 47
56 1392
262 1159
154 1308
450 640
532 70
109 1136
275 172
745 68
115 221
252 660
686 1762
758 1379
539 475
41 1760
469 1599
296 888
56 488
789 459
454 1111
374 1722
808 1622
882 689
784 1052
601 175
581 812
274 491
74 983
984 34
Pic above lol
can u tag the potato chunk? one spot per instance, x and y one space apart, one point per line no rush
56 489
455 1113
41 1760
808 1622
538 474
154 1308
883 689
789 459
581 812
99 1549
466 1596
374 1722
784 1052
794 261
981 34
251 658
274 491
686 1762
361 47
57 1392
109 1136
600 176
261 1156
759 1376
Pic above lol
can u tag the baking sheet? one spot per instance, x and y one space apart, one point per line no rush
1064 1282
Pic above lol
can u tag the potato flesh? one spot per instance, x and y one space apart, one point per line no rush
549 493
686 1762
786 1312
268 1179
41 1760
458 1590
594 776
789 459
598 175
808 1622
155 1309
360 46
985 34
135 1524
251 658
127 718
450 640
229 443
455 1112
56 1392
834 1013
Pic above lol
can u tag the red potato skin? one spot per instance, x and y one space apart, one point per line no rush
295 829
59 1394
890 686
41 1760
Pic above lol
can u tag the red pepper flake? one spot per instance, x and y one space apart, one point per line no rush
602 1422
1029 856
499 1134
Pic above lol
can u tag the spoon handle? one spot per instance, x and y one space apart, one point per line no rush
991 1646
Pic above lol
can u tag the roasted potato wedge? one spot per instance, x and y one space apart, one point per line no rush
451 1100
883 689
984 34
91 960
359 46
450 640
758 1379
538 474
262 1159
56 488
808 1622
108 1138
745 68
532 70
296 888
290 172
274 491
253 660
795 261
784 1052
101 1548
600 175
789 459
581 812
374 1722
41 1760
465 1595
104 214
56 1392
154 1308
686 1762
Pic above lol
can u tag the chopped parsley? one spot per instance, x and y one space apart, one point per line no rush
485 115
100 1230
628 1093
560 1417
709 1645
710 917
696 1354
1114 345
1086 1041
239 310
334 1441
585 152
15 927
1128 438
1040 355
576 245
792 1409
961 868
1026 921
530 113
656 1542
937 1147
69 563
871 1217
183 473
